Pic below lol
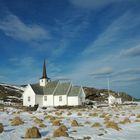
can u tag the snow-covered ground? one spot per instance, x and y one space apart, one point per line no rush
85 118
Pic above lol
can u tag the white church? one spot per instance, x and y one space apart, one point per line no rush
53 93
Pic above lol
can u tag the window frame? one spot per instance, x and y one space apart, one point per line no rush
60 98
45 98
29 99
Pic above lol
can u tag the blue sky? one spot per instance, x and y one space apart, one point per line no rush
85 41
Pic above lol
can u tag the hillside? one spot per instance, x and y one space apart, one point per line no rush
13 94
10 93
102 94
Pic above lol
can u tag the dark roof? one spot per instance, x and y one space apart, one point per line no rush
62 88
56 88
74 91
47 90
50 87
37 89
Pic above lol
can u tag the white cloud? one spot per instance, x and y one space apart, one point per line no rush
92 4
12 26
102 71
114 34
130 79
131 52
129 71
22 62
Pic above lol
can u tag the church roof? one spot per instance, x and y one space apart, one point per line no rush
62 88
74 91
47 90
50 87
37 89
56 88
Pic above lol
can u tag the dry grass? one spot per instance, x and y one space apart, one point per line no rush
32 133
56 123
63 128
137 120
58 113
47 139
97 124
74 123
79 114
133 114
106 118
69 113
125 120
16 121
113 125
45 113
104 115
93 114
87 122
60 132
42 125
50 117
138 116
1 128
37 120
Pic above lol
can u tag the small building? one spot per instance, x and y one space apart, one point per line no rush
113 100
52 93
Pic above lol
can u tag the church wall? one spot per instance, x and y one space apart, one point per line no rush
49 101
28 97
72 101
39 100
58 102
81 97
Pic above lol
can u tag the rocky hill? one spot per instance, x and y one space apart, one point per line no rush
13 94
102 94
10 94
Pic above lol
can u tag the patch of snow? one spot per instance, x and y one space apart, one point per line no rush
129 131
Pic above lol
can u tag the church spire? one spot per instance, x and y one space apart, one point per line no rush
44 79
44 74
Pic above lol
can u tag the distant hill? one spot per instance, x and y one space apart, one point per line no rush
11 93
102 94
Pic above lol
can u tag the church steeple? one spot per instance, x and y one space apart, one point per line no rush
44 74
44 79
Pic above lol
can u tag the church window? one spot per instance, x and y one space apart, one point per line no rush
45 98
29 99
60 98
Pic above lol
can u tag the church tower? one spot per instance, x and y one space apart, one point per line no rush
44 79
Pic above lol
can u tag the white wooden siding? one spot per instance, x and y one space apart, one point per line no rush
81 97
73 100
28 93
60 103
39 100
49 101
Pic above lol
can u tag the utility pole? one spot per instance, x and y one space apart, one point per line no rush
108 86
